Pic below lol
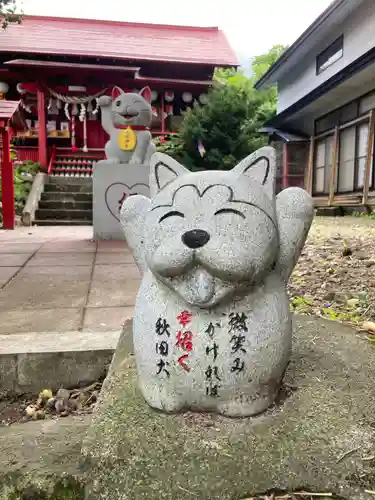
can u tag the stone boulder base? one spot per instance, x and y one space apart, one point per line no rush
41 460
315 439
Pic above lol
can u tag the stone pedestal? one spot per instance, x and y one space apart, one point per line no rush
112 184
314 438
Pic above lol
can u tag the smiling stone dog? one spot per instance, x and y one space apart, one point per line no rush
212 329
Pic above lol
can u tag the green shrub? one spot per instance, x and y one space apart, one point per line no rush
221 133
24 173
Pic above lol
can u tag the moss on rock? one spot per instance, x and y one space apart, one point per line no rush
31 487
41 460
137 453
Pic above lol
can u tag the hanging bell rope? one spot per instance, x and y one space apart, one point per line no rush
25 106
66 109
82 113
96 110
75 99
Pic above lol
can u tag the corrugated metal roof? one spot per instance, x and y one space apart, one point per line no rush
110 39
7 109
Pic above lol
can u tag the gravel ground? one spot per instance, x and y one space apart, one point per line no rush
334 277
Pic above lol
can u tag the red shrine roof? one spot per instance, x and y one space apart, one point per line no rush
10 113
118 40
7 109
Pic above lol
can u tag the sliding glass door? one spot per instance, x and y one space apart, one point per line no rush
362 148
323 165
347 157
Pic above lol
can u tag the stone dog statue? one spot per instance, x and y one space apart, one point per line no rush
126 117
212 328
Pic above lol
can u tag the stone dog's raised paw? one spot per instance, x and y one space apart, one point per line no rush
212 312
104 101
295 211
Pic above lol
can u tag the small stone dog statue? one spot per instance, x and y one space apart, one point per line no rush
126 117
212 328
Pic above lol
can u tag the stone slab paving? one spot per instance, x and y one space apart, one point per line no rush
56 279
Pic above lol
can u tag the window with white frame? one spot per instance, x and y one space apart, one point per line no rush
367 103
330 55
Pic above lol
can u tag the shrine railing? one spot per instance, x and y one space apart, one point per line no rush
51 160
27 153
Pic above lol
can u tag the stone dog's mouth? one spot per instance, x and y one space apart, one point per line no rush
129 116
197 286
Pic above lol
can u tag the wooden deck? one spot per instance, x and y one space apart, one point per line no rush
351 200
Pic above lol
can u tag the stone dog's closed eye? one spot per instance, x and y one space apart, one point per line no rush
173 213
230 211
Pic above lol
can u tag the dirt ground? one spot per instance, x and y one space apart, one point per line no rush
19 408
334 277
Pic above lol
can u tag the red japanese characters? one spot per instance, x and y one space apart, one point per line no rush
184 339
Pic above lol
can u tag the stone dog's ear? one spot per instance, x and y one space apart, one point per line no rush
163 170
260 166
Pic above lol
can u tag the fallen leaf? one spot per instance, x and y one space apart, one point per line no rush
352 302
369 326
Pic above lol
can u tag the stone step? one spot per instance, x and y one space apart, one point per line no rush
63 173
61 222
31 361
72 162
70 187
65 204
57 214
63 196
56 179
75 157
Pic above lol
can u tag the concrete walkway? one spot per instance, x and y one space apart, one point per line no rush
56 279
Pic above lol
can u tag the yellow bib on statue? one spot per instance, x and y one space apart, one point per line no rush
127 139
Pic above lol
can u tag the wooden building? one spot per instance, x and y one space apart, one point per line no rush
59 67
326 101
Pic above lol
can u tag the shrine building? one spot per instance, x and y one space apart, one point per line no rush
57 68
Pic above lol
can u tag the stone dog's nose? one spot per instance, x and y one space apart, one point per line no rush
195 238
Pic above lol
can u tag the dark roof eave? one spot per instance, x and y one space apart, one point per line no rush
355 67
130 57
286 134
264 80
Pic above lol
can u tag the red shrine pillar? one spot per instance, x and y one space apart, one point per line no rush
7 181
162 119
285 166
42 130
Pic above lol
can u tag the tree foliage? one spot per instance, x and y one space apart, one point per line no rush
228 125
8 13
262 63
